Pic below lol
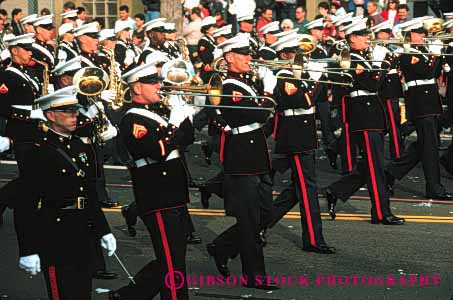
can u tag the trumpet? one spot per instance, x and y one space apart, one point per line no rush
213 90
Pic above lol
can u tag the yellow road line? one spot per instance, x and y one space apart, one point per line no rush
325 216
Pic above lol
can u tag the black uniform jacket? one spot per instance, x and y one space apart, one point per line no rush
162 183
267 53
17 88
65 52
296 123
244 153
206 47
46 224
421 99
364 112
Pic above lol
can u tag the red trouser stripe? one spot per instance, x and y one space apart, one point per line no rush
222 145
163 235
346 129
373 176
274 133
393 124
53 283
305 200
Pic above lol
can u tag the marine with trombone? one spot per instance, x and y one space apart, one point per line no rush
366 118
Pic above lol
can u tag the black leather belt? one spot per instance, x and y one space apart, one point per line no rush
79 204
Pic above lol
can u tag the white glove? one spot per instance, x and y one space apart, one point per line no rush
5 143
450 44
269 82
109 134
262 72
190 110
5 54
447 68
30 264
108 95
130 55
435 47
37 114
108 242
217 53
175 100
177 115
379 53
92 111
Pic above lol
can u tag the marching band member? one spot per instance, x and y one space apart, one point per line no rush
366 117
124 54
70 17
170 41
154 136
155 32
247 184
88 39
296 139
423 108
266 52
206 47
316 28
391 90
108 41
58 217
42 50
245 18
66 49
27 23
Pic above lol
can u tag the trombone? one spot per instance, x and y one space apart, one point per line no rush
213 90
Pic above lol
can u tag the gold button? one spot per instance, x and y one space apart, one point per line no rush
305 121
251 141
58 219
69 147
81 188
73 159
63 170
164 173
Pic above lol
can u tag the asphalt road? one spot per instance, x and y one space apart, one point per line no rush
414 261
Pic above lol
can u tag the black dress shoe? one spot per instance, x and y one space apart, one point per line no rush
321 249
268 285
114 296
390 181
131 220
108 203
105 275
193 239
220 262
445 196
331 203
332 155
205 195
390 220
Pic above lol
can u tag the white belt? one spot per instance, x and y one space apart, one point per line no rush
392 71
245 128
149 161
361 93
420 82
24 107
298 112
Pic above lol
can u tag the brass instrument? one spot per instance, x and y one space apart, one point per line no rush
182 45
433 25
213 90
115 83
45 76
90 82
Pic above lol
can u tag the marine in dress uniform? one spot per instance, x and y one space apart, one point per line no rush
153 136
155 32
246 20
390 92
367 120
296 139
316 28
42 50
423 108
265 51
58 216
170 44
206 47
124 54
66 48
247 184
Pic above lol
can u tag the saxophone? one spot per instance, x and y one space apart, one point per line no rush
115 83
182 45
45 76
